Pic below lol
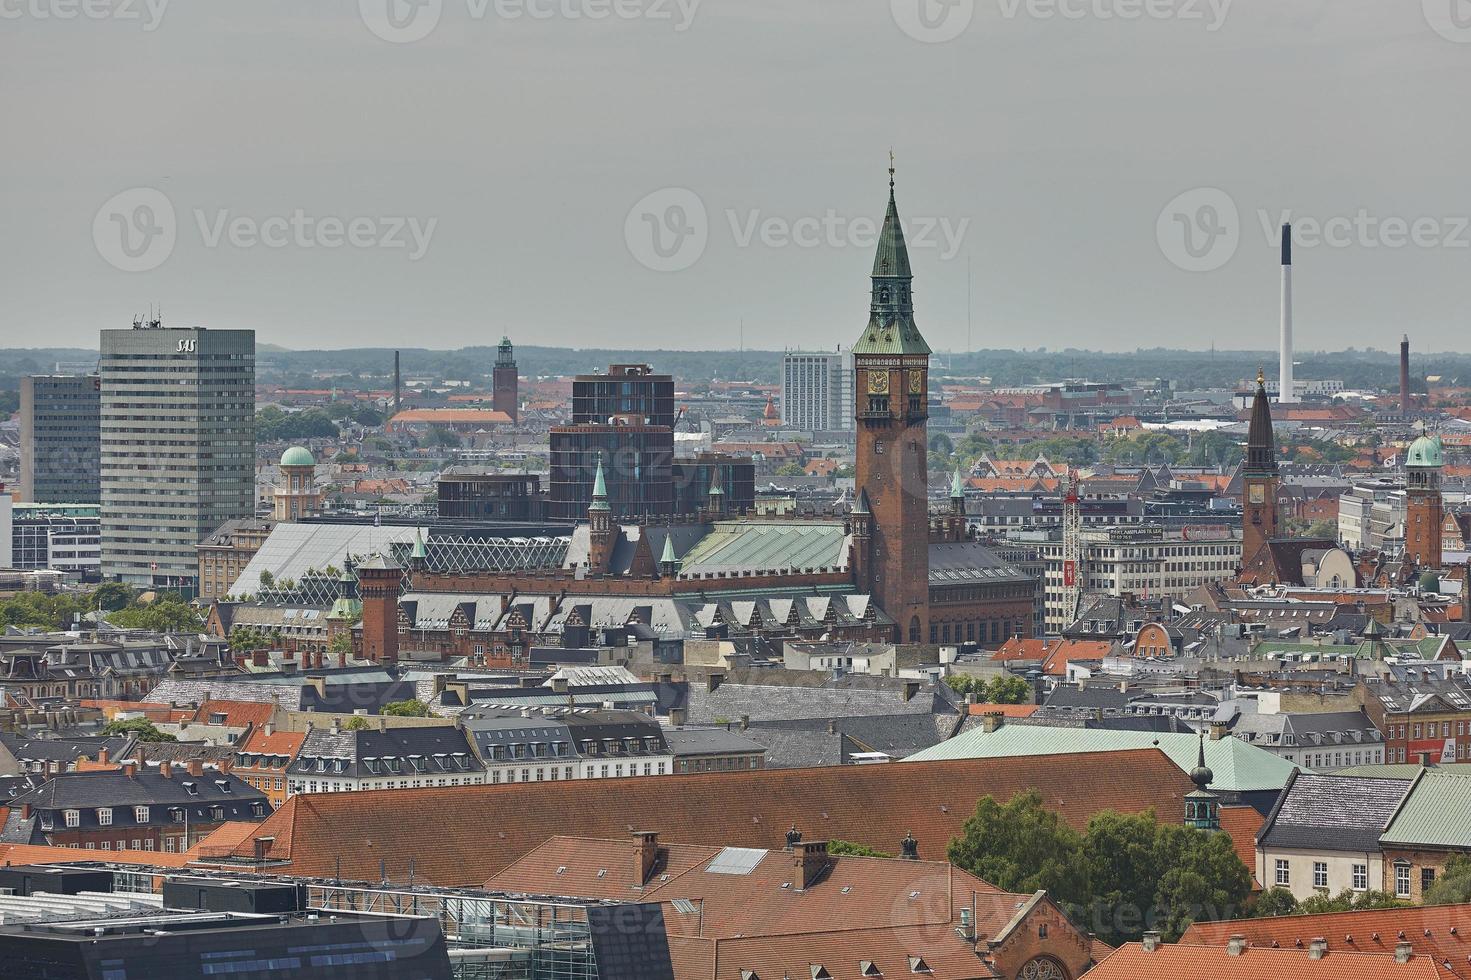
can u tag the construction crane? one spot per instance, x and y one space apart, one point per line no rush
1072 548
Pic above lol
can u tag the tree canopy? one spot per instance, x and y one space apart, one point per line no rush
144 729
1126 873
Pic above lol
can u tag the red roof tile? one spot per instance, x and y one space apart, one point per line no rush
1242 823
463 835
1131 962
1441 933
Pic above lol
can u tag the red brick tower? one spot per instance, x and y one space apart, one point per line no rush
891 373
1259 491
504 381
379 579
1425 510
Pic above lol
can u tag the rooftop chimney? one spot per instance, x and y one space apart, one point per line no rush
103 756
810 862
1403 952
166 769
196 768
911 690
1318 948
678 717
1151 941
645 856
992 720
559 685
130 769
745 722
713 682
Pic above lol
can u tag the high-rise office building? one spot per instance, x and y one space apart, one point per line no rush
817 391
630 392
59 439
178 446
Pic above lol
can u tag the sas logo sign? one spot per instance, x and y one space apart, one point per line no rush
187 346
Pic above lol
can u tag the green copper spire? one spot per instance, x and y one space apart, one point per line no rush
891 328
420 552
666 557
599 490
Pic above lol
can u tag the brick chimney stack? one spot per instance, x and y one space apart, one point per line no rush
645 856
810 862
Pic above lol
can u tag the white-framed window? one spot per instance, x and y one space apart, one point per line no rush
72 818
1361 877
1401 880
140 814
104 816
1320 874
1284 873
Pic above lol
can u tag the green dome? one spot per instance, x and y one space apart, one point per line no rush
298 456
1425 451
1429 582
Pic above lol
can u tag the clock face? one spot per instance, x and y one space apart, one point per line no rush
916 382
878 382
1257 494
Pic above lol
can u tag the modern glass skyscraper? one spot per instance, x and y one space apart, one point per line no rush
178 446
58 439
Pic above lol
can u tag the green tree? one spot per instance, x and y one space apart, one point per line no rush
791 469
1202 878
1008 690
1020 846
1454 884
851 849
1348 901
112 596
940 443
340 645
357 723
1123 866
1275 901
412 708
140 727
169 613
248 639
267 579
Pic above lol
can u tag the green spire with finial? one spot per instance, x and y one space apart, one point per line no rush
420 552
667 556
599 490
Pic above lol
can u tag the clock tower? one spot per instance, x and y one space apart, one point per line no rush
1259 478
891 373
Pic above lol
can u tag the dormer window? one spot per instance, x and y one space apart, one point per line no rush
191 788
140 814
73 818
104 816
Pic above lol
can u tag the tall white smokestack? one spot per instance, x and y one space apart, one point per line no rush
1286 392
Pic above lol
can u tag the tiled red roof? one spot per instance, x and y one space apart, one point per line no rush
839 953
1242 823
237 714
1182 962
462 835
1439 933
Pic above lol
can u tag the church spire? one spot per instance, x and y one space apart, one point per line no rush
891 328
1261 453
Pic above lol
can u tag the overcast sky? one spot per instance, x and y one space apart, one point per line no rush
320 173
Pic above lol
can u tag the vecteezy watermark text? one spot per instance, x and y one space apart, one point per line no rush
148 13
1200 230
136 230
937 21
669 230
406 21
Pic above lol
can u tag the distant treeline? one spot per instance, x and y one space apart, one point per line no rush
369 367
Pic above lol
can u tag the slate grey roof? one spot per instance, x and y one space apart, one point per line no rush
1332 813
64 750
85 792
799 748
689 742
418 750
955 563
802 696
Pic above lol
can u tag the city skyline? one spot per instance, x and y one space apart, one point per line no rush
477 243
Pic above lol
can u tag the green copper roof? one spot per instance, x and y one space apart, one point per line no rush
891 335
892 258
1433 813
735 546
599 490
419 550
1236 766
298 456
957 486
1425 451
667 556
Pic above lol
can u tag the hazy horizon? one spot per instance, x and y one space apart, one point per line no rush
552 171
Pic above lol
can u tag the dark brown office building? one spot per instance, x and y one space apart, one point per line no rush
474 495
630 391
637 461
737 481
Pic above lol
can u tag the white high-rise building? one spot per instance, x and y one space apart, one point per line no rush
178 446
817 391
